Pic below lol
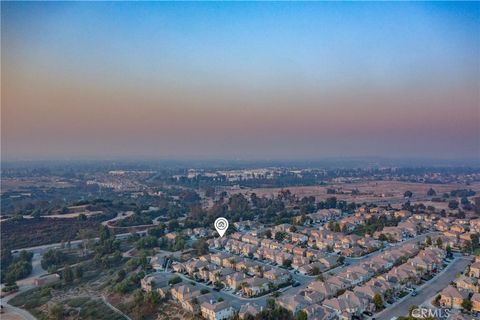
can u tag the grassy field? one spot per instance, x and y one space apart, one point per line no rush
36 302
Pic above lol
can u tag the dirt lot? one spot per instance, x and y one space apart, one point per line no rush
374 191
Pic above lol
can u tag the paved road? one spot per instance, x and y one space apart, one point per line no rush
429 289
12 312
119 216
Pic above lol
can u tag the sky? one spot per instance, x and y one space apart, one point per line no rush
242 80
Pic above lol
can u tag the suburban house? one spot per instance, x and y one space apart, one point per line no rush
475 270
293 302
467 283
235 279
255 286
451 297
216 310
182 292
324 288
476 302
347 305
249 308
193 304
318 312
277 276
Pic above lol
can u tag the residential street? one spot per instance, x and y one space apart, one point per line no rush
426 291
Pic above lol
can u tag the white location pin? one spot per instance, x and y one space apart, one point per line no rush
221 225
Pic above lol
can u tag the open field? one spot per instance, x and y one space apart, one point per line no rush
372 191
25 232
20 184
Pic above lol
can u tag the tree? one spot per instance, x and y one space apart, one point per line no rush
146 242
429 241
301 315
210 192
67 274
378 302
315 271
173 225
408 194
201 246
56 311
152 297
280 235
431 192
439 242
53 258
337 227
475 240
270 303
104 233
268 234
453 204
467 304
121 274
449 251
174 280
467 246
78 271
388 294
157 231
287 263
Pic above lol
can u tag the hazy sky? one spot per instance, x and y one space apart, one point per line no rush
239 80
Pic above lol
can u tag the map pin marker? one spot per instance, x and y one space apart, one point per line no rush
221 225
